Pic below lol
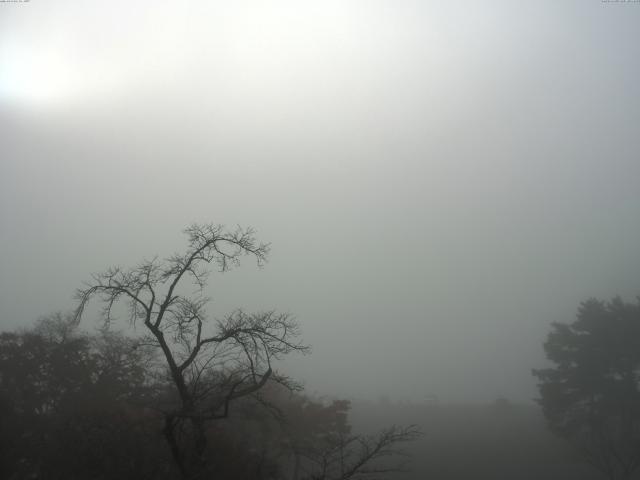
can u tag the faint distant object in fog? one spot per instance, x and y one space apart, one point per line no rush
432 399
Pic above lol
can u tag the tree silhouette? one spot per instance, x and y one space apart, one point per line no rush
210 364
61 387
591 395
322 446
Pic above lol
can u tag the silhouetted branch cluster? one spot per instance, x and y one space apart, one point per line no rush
345 456
209 365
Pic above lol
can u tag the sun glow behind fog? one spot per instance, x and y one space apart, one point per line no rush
243 52
48 78
30 77
50 59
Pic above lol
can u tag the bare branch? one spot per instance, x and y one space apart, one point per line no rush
348 456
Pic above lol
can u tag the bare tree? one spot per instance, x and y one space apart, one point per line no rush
210 364
344 456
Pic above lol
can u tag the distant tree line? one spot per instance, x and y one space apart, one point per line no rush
80 406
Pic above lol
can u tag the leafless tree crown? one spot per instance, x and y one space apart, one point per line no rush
211 363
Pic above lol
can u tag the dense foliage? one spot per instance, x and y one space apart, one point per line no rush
591 395
76 406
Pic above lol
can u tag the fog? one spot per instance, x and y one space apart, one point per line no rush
439 181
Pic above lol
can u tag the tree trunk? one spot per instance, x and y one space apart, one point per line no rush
199 444
170 437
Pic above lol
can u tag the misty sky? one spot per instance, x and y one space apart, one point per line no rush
439 180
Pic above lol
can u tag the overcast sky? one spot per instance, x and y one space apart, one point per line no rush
439 180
